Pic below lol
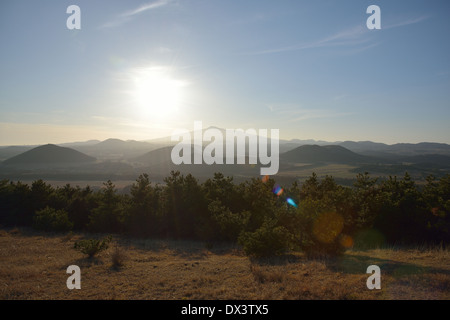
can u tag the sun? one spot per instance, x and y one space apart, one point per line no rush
156 92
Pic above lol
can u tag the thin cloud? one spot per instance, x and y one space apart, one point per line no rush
127 16
316 114
406 22
146 7
122 122
292 113
361 49
352 36
164 50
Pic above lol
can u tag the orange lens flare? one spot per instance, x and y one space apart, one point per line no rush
346 241
328 226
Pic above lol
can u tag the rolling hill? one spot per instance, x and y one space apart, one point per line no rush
12 151
116 149
49 154
155 157
324 154
124 159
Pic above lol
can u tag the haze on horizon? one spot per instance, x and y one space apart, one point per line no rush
141 69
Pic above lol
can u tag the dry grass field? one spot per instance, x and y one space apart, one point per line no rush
33 266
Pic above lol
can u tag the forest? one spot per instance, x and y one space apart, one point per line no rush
317 217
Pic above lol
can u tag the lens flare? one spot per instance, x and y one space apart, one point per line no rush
291 202
346 241
328 226
278 190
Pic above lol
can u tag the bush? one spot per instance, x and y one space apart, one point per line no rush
49 219
320 228
118 257
226 224
91 247
266 241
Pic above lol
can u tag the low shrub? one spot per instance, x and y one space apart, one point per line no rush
91 247
118 257
266 241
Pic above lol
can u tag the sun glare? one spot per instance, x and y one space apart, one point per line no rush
156 93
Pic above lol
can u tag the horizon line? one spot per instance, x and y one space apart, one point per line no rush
291 140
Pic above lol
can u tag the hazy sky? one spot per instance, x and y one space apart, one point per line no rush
141 69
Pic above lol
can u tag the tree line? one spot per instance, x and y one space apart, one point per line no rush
317 216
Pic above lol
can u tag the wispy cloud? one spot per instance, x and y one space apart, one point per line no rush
116 121
146 7
359 49
406 22
136 128
128 15
295 113
352 36
302 115
356 37
164 50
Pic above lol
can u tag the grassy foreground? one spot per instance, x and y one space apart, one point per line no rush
33 266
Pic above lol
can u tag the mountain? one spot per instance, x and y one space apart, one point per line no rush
49 154
116 149
328 154
163 156
159 163
117 144
11 151
363 146
166 141
80 143
422 148
360 146
155 157
398 149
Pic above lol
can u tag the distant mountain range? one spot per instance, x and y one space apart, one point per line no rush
116 149
403 149
119 157
49 154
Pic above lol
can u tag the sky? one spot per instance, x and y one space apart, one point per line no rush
142 69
